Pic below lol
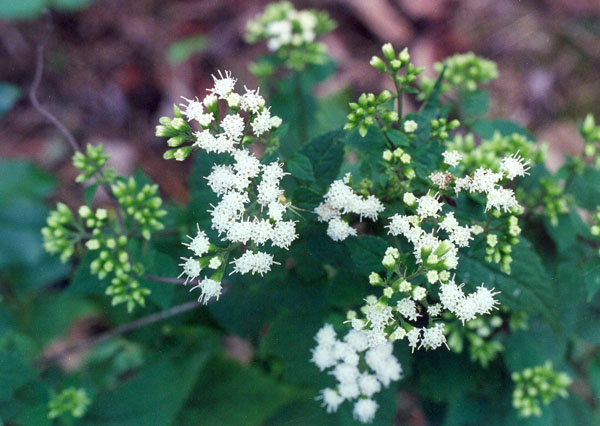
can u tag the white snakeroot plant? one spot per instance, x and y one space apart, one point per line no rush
427 289
341 200
360 371
251 207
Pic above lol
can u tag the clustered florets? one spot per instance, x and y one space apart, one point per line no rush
234 217
360 371
341 200
436 237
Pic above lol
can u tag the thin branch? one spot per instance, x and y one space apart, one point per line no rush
167 280
39 69
125 328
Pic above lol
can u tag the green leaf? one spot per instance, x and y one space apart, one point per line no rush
15 371
585 188
591 277
290 340
162 265
476 103
327 250
182 49
487 127
69 5
528 288
229 394
9 94
325 153
153 397
300 167
89 193
366 252
83 281
534 346
18 10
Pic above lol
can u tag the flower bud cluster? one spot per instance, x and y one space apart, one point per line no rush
71 402
462 71
370 110
142 205
591 135
61 232
360 371
341 200
537 385
440 128
251 206
392 64
92 163
480 334
489 152
291 34
499 245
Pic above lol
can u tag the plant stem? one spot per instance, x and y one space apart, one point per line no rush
125 328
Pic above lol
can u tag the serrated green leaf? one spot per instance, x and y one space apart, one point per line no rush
229 394
325 153
476 103
591 277
585 187
527 288
366 252
487 127
89 193
300 167
15 371
153 397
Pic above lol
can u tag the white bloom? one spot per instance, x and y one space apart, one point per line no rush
441 179
349 390
331 400
247 166
262 122
224 85
346 373
210 288
276 121
514 166
364 410
484 300
451 295
410 126
256 263
339 230
408 309
252 101
325 212
240 232
214 263
194 110
199 244
357 340
428 206
283 234
452 158
434 310
484 180
413 337
399 225
276 210
368 385
233 100
501 199
433 337
210 100
191 269
222 179
233 126
326 336
323 357
462 183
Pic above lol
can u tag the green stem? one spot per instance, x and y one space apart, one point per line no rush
300 108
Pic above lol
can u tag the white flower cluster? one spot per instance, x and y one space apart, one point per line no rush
290 27
234 217
360 371
436 238
340 200
486 181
